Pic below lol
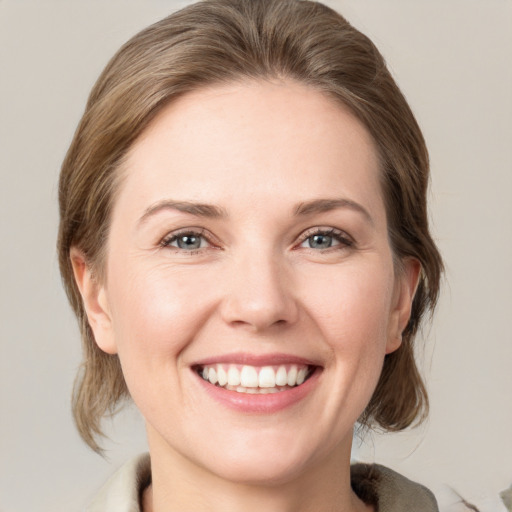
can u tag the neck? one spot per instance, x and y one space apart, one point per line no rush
182 485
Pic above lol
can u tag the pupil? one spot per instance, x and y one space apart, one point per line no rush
189 242
320 241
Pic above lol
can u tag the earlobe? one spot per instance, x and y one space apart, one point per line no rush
405 290
95 302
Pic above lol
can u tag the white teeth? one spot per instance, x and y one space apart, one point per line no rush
267 377
251 379
233 376
212 375
292 376
222 376
281 377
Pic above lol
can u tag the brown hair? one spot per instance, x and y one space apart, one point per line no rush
218 41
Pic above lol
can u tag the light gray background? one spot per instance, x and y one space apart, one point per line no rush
453 60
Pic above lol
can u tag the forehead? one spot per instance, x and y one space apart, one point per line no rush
254 138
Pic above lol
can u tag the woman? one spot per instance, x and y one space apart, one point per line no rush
244 240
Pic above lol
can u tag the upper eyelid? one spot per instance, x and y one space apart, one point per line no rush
214 241
328 230
173 235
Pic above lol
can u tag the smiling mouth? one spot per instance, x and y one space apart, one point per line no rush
255 379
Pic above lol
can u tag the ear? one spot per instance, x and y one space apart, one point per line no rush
405 288
95 302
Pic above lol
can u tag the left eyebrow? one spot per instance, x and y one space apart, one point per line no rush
197 209
325 205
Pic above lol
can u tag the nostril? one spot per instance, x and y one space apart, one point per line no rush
258 324
258 292
259 313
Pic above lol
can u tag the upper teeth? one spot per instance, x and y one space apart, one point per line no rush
255 377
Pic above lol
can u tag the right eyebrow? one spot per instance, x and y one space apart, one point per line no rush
325 205
197 209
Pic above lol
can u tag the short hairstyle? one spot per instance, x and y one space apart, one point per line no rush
217 42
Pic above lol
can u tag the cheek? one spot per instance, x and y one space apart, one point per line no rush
353 306
155 313
156 316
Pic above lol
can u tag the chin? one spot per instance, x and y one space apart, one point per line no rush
256 470
262 458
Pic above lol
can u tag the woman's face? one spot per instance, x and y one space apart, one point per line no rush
250 290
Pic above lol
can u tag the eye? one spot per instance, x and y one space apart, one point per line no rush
186 241
322 239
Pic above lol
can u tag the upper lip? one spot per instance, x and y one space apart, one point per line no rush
242 358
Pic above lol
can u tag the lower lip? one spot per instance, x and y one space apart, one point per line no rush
260 403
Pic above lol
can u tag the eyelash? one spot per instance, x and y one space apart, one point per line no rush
343 239
191 232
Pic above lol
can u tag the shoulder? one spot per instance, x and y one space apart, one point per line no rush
122 491
390 491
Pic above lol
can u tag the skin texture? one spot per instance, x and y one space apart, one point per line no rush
257 285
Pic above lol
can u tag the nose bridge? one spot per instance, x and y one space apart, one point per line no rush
260 290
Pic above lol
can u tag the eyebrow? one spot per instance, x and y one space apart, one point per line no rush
325 205
197 209
216 212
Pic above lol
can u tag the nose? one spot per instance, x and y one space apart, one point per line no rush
259 294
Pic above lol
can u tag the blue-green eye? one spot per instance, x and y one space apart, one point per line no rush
321 241
325 239
189 241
